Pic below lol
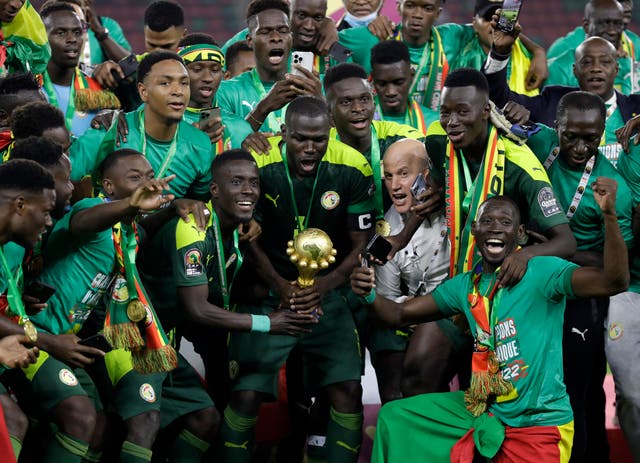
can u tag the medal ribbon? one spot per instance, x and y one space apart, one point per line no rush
222 263
413 115
143 145
488 182
273 122
53 99
14 295
301 223
582 185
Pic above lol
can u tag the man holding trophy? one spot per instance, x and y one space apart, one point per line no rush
308 182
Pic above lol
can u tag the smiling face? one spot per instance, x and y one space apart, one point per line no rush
360 8
307 139
403 162
204 80
579 134
64 31
270 37
235 190
126 175
165 91
464 112
392 82
352 108
606 21
32 216
497 230
307 17
596 67
418 17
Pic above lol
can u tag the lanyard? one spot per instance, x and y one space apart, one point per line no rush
485 318
53 99
468 184
273 122
14 297
143 148
301 222
582 185
222 263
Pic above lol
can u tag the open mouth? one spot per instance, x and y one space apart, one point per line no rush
455 136
177 106
360 123
494 246
72 53
205 91
308 165
276 56
400 199
245 205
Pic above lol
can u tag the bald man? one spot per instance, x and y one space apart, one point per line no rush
415 270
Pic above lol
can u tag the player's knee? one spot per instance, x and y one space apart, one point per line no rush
142 429
76 416
17 422
246 402
204 423
346 397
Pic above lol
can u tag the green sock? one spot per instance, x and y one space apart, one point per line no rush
133 453
17 445
344 436
65 448
92 456
236 437
188 448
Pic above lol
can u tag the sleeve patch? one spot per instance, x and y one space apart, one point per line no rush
548 202
193 263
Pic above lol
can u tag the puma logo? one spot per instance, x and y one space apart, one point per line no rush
537 168
577 331
242 446
247 104
272 199
355 449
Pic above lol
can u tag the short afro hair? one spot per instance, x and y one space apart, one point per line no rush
582 101
25 175
53 6
467 77
152 58
310 106
341 72
162 15
197 38
113 158
390 51
38 149
34 118
228 156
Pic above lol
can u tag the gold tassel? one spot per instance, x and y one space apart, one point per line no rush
124 336
146 361
94 100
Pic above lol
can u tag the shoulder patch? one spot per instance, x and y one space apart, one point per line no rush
188 233
341 153
272 157
548 202
193 263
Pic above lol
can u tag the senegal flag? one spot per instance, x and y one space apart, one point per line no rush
23 43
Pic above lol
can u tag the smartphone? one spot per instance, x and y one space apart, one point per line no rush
98 341
339 52
303 59
40 291
510 11
418 187
379 248
207 114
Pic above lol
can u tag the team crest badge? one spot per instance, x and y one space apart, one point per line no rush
615 331
193 263
329 200
67 377
147 393
120 292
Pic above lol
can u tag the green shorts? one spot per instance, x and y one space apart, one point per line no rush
331 352
173 394
43 385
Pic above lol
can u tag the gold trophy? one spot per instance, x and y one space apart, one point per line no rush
311 250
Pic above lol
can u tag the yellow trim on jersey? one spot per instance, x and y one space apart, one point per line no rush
343 154
187 232
274 155
566 441
386 129
118 363
435 129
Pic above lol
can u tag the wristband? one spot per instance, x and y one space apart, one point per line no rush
250 116
260 323
369 298
495 63
102 37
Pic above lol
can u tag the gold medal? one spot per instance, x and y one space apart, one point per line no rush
383 228
30 331
136 311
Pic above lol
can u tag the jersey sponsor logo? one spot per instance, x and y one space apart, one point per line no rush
193 263
147 393
272 199
547 202
67 377
330 200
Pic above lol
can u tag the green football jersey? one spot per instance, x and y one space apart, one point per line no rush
528 319
81 268
587 223
191 162
14 253
337 200
181 255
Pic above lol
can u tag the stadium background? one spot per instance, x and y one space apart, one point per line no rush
542 20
